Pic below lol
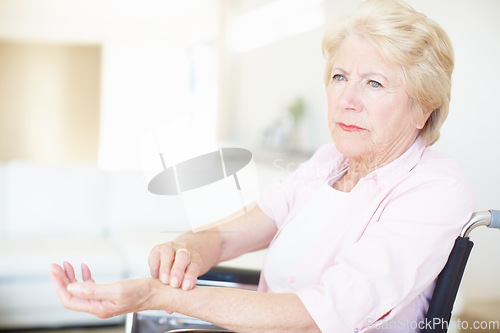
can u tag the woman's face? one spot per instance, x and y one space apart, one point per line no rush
369 110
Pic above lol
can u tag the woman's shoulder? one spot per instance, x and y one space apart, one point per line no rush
436 162
439 168
435 185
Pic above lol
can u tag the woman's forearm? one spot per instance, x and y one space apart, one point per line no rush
238 310
234 309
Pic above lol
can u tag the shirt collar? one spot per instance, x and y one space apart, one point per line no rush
401 166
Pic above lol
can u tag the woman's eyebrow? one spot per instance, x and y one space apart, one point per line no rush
376 73
368 74
338 69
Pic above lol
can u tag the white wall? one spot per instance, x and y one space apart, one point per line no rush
265 79
269 78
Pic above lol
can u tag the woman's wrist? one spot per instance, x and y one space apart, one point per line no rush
158 295
164 297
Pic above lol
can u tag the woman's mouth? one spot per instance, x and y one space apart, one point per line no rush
351 128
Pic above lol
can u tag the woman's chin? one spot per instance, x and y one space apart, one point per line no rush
350 147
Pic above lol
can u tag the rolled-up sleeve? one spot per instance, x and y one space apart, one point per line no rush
397 257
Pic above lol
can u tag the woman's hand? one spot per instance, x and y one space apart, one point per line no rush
175 264
101 300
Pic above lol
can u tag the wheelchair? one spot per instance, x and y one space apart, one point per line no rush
436 321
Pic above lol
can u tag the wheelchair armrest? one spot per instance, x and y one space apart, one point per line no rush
230 277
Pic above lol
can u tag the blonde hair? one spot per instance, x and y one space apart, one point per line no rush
411 40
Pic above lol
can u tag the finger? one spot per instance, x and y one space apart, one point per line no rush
60 282
86 274
181 262
154 262
61 275
166 261
58 276
191 275
57 269
70 272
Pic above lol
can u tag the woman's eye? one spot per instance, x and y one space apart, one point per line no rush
338 77
375 84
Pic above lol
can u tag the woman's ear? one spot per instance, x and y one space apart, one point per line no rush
424 117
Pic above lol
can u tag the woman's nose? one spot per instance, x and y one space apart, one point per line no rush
350 98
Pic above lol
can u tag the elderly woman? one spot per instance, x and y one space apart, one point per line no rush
358 234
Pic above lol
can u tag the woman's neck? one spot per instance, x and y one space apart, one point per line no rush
360 167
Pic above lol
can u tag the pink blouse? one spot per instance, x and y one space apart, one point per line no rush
375 265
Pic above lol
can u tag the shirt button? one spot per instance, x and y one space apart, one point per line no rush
291 280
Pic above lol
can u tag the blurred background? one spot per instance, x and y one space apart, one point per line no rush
82 82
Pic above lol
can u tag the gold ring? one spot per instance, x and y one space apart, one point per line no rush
183 250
